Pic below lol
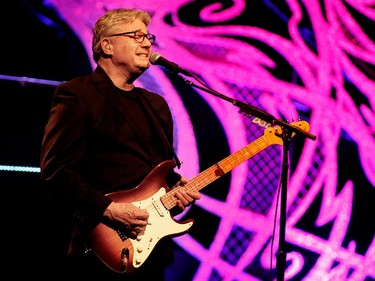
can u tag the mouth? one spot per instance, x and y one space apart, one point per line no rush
143 60
143 55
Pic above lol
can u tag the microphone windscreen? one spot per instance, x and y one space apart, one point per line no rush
154 57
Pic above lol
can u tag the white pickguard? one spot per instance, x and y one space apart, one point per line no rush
160 225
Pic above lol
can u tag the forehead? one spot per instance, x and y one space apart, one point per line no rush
132 26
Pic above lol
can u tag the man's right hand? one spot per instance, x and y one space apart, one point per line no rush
127 218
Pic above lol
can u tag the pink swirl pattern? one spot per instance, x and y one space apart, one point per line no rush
220 51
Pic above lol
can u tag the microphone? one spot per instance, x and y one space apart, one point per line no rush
157 59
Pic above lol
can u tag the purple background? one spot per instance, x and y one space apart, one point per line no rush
308 60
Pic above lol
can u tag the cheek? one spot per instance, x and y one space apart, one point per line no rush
125 55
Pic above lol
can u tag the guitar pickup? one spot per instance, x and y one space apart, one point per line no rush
159 208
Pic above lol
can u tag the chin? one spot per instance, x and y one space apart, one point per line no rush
144 67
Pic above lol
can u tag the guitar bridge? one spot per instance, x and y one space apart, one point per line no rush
122 236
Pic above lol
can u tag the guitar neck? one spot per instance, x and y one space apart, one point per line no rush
125 255
217 170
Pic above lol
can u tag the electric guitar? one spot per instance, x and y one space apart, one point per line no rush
122 254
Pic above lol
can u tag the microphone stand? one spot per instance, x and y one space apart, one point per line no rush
287 132
25 80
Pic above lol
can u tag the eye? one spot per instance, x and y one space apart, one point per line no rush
139 35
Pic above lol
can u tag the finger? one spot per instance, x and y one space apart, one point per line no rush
194 195
180 205
138 229
182 198
143 222
133 234
189 197
183 181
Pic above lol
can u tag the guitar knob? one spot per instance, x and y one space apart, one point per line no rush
139 250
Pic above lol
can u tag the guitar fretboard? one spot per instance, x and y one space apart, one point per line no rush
217 170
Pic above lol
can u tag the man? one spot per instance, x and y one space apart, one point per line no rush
105 135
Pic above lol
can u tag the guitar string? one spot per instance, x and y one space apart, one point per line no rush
168 201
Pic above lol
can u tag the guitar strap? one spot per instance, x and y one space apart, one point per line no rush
156 122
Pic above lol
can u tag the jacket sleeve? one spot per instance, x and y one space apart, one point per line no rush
63 146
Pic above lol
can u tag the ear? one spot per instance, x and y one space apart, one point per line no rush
106 45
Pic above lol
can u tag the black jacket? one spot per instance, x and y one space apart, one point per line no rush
98 140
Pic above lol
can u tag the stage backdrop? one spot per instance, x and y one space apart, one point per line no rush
308 63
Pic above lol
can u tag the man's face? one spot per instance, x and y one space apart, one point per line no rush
131 50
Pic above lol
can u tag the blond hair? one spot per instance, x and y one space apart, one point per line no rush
109 22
